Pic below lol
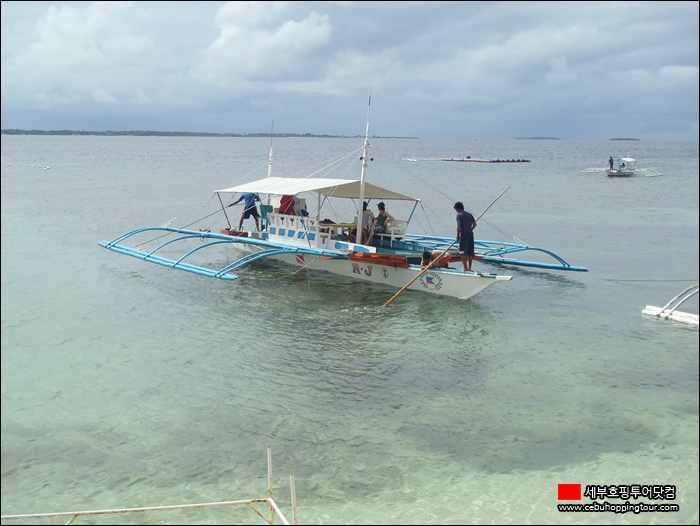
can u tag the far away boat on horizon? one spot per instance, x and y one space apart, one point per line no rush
623 167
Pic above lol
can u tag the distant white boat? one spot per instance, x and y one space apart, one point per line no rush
623 167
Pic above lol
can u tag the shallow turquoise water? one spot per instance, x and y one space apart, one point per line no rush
126 384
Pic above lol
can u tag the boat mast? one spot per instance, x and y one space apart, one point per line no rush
365 149
269 160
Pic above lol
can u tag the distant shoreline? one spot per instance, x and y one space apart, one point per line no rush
623 139
137 133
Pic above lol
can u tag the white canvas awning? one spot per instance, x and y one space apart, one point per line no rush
342 188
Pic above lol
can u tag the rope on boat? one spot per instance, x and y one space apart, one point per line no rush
182 227
450 199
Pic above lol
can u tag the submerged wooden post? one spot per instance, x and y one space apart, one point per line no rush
269 484
294 498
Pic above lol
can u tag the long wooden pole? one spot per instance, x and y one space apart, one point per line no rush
492 202
441 254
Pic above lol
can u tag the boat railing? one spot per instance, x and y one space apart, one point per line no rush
272 511
302 230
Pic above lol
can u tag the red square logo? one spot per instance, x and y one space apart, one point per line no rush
569 492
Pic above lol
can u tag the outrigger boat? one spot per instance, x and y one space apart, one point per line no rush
393 259
624 167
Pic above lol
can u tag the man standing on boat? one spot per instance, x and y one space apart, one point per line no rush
250 209
611 163
465 235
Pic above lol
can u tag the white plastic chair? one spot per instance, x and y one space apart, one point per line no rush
395 229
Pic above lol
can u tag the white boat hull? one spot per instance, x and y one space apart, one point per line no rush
620 173
443 282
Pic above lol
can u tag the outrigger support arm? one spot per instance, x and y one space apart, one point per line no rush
211 239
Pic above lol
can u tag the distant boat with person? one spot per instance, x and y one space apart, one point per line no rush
623 167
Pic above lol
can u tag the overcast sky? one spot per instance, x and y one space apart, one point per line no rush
492 70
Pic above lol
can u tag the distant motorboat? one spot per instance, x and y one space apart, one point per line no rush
623 167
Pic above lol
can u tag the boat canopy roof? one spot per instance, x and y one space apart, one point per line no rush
343 188
627 159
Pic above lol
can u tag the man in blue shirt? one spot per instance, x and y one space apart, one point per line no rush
465 235
250 209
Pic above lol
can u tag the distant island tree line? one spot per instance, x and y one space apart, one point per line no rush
557 138
147 133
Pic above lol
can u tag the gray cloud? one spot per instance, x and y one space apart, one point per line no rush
575 70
